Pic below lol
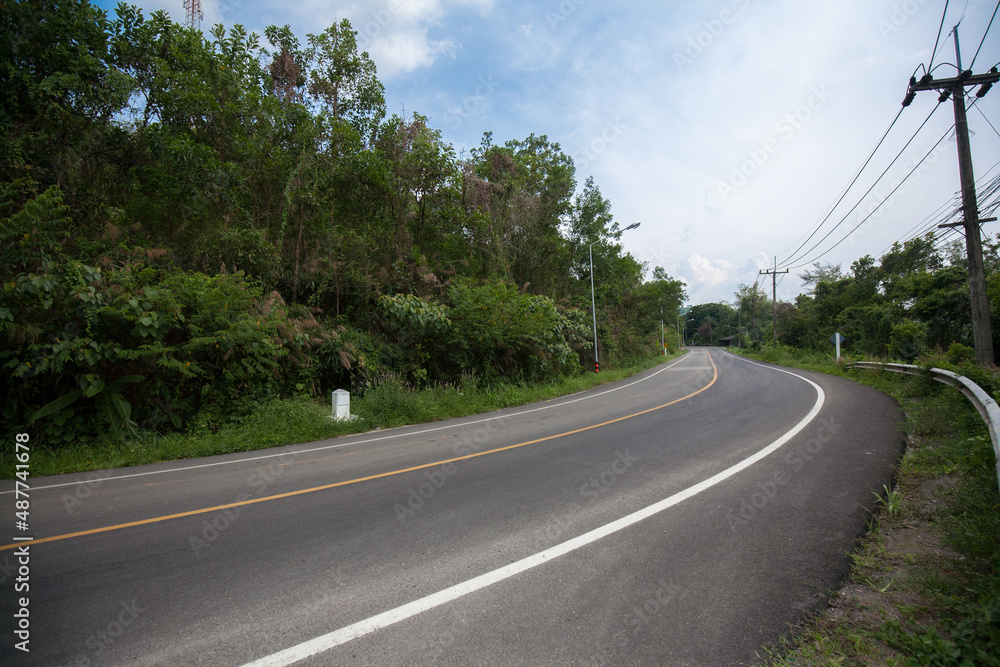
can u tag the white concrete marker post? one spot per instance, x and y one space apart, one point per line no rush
837 339
341 404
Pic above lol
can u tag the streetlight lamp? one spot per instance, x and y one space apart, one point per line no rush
593 302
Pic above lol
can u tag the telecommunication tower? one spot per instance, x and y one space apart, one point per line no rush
194 13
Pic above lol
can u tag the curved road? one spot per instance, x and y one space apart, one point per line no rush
685 516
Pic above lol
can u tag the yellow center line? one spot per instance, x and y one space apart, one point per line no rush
143 522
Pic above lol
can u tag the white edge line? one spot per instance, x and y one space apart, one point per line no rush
337 637
356 442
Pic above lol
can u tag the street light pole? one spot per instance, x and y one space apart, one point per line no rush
593 308
593 302
739 327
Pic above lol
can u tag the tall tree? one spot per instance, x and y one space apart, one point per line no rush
343 81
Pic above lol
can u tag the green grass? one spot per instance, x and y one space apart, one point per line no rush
280 422
925 581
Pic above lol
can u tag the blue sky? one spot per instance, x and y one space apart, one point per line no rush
727 127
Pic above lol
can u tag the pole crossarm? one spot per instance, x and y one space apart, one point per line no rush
964 80
962 223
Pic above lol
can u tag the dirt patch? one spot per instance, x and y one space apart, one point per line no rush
888 565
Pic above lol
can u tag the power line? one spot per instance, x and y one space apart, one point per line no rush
989 187
983 40
927 224
866 218
849 186
987 121
923 225
938 38
797 258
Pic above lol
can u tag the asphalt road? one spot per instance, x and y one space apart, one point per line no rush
686 516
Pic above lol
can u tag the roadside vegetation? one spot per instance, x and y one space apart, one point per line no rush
925 582
285 421
202 230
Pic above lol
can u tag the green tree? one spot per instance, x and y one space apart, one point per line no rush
753 312
343 81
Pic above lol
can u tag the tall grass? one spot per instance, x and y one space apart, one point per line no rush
388 403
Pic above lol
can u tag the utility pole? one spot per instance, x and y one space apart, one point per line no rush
774 295
955 87
662 341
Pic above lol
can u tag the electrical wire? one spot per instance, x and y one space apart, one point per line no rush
849 186
865 219
983 40
797 258
955 201
938 39
927 224
987 121
986 191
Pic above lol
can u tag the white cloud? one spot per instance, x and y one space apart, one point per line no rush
706 275
406 51
396 33
602 81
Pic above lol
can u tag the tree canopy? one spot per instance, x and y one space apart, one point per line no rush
912 300
192 223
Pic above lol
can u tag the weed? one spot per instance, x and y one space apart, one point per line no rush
935 606
890 502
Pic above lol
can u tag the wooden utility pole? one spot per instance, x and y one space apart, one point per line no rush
774 296
955 87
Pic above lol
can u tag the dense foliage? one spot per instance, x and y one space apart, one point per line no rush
192 224
914 300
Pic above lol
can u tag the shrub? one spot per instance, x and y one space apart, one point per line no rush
908 340
492 328
960 355
503 331
90 352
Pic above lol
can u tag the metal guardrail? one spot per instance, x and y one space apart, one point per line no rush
983 402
